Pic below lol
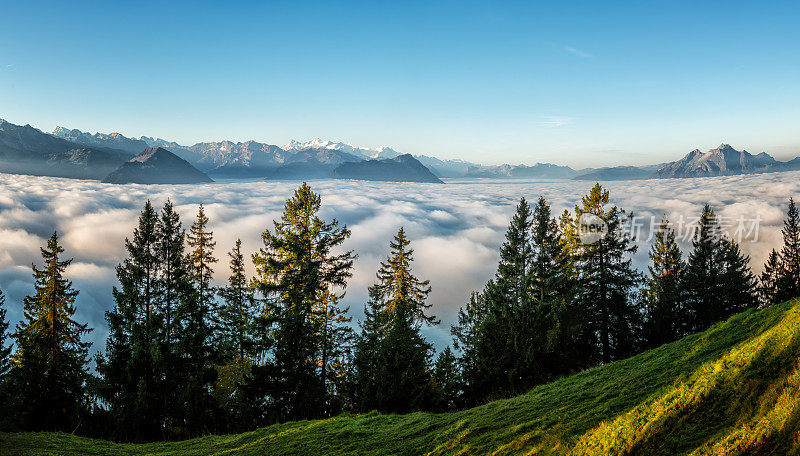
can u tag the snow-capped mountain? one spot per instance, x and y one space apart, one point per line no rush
111 140
364 152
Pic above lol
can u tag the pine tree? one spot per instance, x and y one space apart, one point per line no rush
606 277
508 303
661 293
6 400
552 322
239 348
789 276
364 382
335 343
718 282
200 322
238 315
175 298
50 371
399 376
769 289
130 368
447 380
297 269
5 351
520 330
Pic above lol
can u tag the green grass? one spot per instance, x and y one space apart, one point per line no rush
734 389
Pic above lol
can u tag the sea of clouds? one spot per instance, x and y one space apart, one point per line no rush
455 229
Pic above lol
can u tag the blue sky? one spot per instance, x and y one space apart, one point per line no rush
578 83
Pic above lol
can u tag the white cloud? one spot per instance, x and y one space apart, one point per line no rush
577 52
455 228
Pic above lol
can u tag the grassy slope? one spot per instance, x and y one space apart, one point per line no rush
734 389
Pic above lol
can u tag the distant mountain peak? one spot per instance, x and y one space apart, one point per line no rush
364 152
156 165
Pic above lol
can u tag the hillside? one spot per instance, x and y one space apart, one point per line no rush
156 166
733 389
26 150
403 168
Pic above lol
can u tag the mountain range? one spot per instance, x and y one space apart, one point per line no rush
73 153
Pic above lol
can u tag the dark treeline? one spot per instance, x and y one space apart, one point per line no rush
185 358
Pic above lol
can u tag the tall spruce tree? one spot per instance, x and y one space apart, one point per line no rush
447 379
503 332
50 372
200 319
398 378
364 382
239 312
469 340
131 368
295 270
553 324
6 399
789 277
238 347
335 343
718 282
662 289
769 289
521 329
607 279
175 296
5 348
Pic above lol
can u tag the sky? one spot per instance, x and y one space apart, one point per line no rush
575 83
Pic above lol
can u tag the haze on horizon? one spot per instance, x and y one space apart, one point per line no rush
580 84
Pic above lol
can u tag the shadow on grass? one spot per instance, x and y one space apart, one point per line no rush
732 402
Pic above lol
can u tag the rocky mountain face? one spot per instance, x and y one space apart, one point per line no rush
537 171
403 168
100 140
27 150
157 166
313 164
722 161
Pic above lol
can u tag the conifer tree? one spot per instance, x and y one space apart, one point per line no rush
661 293
447 379
335 343
399 376
6 399
789 276
175 298
131 371
718 282
238 314
521 329
469 339
5 350
364 381
769 281
50 370
200 321
503 334
552 325
295 271
606 276
238 347
173 285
